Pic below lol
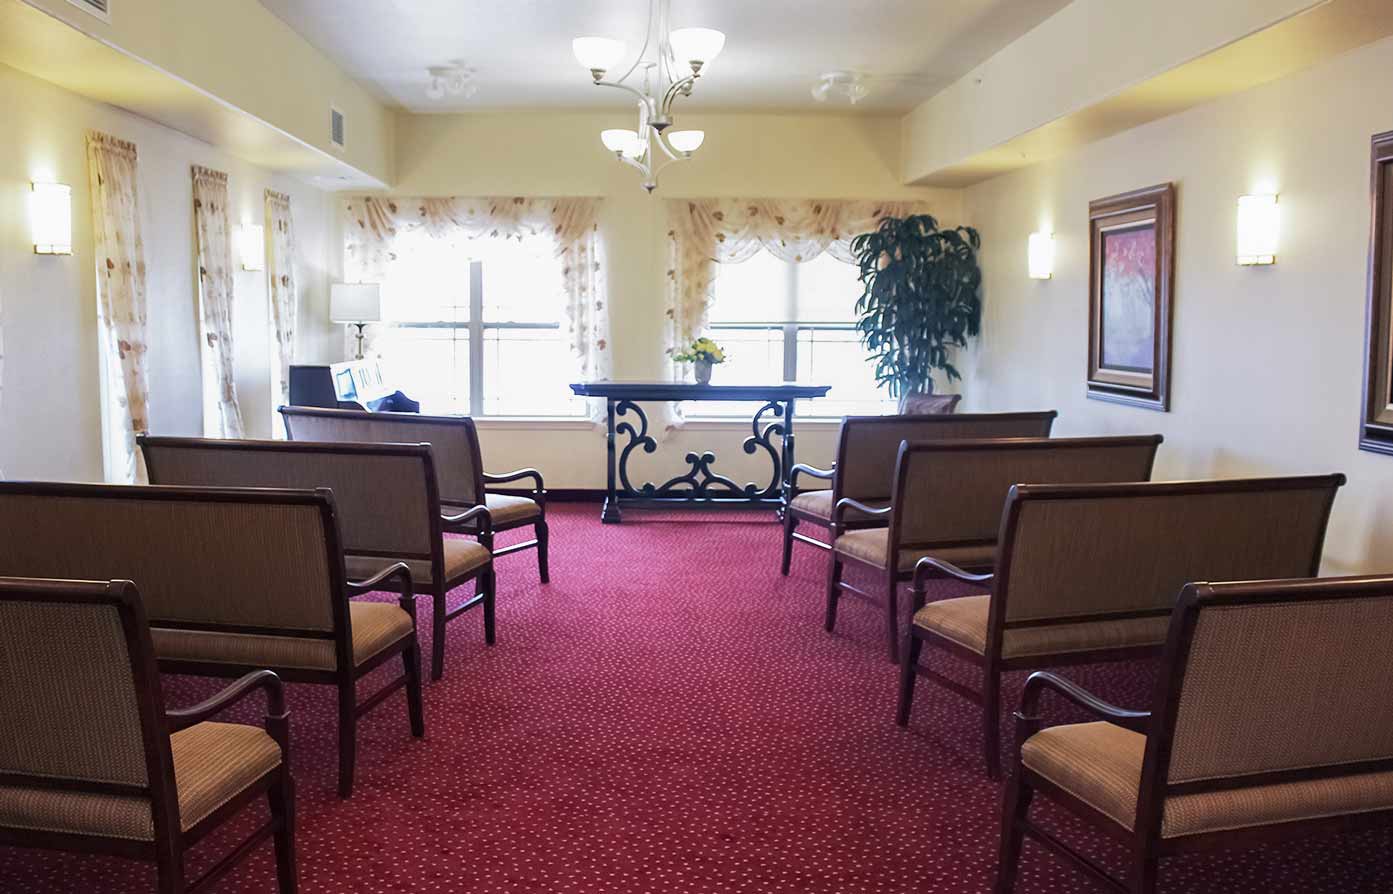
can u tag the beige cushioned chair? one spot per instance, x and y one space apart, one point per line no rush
922 403
459 469
1271 722
387 502
233 581
946 499
866 450
1090 573
92 762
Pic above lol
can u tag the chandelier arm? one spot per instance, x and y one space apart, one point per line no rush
671 152
678 88
642 97
647 39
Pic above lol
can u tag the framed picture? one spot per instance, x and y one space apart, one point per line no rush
1131 274
1376 419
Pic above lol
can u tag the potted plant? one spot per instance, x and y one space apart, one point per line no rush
922 298
702 354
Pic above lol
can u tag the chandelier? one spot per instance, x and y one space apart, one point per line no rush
654 145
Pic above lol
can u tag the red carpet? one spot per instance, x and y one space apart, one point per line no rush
667 716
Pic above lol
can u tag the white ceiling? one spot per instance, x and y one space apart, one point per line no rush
775 49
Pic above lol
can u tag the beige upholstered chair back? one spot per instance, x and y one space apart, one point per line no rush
385 494
252 559
1284 676
920 403
453 439
71 707
868 445
1092 550
952 492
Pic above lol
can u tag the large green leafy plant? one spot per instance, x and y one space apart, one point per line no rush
922 298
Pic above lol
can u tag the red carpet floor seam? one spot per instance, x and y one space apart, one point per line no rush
668 716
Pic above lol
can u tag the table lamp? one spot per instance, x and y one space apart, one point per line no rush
357 304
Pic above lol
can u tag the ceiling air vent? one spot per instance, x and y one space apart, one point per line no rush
336 127
99 8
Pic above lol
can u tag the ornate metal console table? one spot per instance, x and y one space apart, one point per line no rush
698 486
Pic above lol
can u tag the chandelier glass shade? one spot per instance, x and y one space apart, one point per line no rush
678 61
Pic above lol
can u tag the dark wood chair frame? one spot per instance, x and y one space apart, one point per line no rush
793 517
465 523
992 664
440 586
170 841
1144 845
346 674
893 515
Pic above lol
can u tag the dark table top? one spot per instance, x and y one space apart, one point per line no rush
669 390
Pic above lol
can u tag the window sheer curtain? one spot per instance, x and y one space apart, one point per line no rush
281 284
121 295
222 417
706 233
374 222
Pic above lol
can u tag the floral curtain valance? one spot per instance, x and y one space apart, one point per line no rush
374 222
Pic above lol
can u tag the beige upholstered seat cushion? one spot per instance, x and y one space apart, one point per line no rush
869 546
1100 764
964 621
213 763
376 625
461 557
818 503
504 509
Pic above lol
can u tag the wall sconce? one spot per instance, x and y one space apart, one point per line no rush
1258 225
51 218
1041 255
252 246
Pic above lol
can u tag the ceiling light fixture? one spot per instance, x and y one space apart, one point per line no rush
677 51
849 84
455 79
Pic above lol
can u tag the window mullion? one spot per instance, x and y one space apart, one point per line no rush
790 326
476 338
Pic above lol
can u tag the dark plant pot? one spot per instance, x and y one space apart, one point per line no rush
703 372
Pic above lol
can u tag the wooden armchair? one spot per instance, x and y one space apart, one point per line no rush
866 451
233 581
91 762
459 469
388 507
1270 723
946 499
1089 573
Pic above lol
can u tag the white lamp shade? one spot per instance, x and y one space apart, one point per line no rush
51 218
355 302
687 140
625 141
696 46
1041 255
1259 223
597 53
251 239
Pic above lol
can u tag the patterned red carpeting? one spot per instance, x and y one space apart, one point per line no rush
668 716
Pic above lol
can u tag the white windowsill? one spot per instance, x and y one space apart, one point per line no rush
718 422
693 423
557 423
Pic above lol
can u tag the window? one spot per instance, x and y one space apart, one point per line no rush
781 321
478 327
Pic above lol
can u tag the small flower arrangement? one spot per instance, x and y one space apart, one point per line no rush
703 349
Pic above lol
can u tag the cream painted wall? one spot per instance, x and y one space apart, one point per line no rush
50 423
1267 365
544 153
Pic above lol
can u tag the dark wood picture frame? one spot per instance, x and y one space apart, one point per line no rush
1376 416
1153 205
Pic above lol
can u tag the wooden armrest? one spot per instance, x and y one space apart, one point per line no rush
516 475
1042 681
929 567
396 569
811 472
481 513
183 718
846 503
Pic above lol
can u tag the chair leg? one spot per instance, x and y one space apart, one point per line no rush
834 590
437 633
991 721
909 665
415 710
1145 873
892 618
348 736
169 869
543 536
489 581
1018 798
790 525
282 796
